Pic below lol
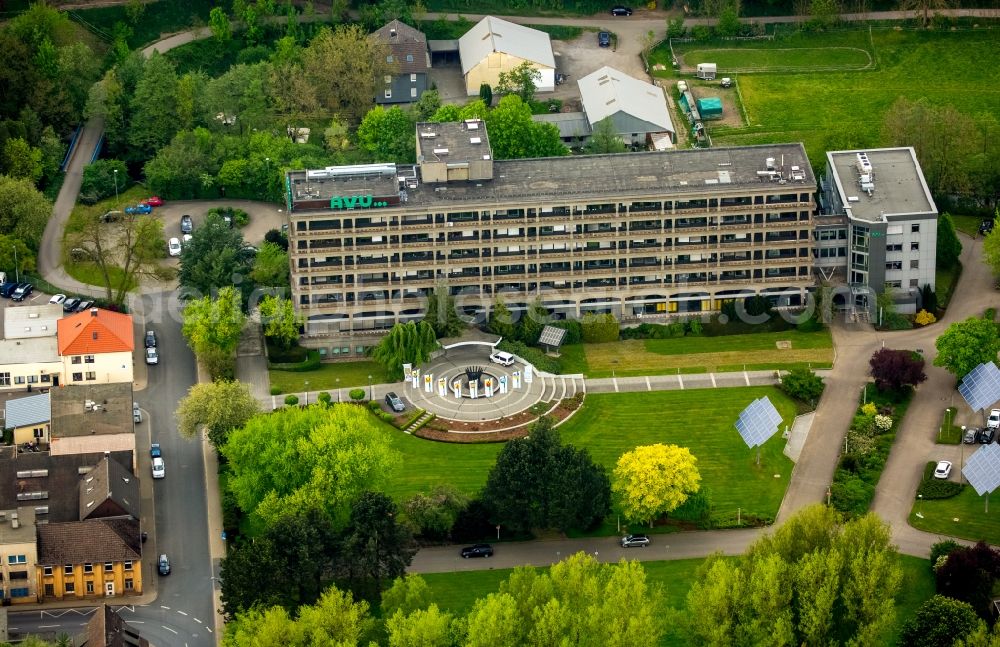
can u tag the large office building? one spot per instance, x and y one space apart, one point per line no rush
646 233
878 231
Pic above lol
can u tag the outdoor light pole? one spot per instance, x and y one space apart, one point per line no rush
370 396
17 271
961 462
338 391
117 204
307 392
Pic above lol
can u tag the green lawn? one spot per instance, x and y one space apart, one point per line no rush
325 378
427 463
702 420
967 224
960 516
457 592
758 351
942 67
945 282
799 58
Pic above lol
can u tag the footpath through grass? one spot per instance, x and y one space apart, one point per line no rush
457 592
759 351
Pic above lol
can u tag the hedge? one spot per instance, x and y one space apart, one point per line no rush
311 363
932 488
541 361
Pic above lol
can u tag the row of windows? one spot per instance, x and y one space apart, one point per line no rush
5 379
87 359
17 593
898 247
914 283
388 78
70 587
898 265
90 376
17 559
413 93
409 59
87 568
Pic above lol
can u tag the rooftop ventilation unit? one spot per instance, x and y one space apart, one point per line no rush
864 164
428 135
475 140
440 151
472 124
769 163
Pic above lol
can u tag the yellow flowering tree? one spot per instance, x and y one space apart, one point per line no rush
653 480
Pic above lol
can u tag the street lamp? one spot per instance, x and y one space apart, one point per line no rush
961 462
117 204
338 391
307 392
370 396
267 176
17 272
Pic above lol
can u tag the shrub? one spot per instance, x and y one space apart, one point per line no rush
694 328
356 394
939 488
385 416
990 314
883 423
275 390
324 398
99 180
374 406
802 384
599 328
540 360
869 409
574 331
942 549
924 318
291 400
473 523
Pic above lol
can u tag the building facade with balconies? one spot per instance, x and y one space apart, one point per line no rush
648 233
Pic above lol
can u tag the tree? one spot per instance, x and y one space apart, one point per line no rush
15 255
928 298
341 65
409 343
213 258
442 313
501 322
218 21
24 211
428 104
895 370
599 328
514 135
810 581
100 181
124 251
334 620
421 628
281 323
212 328
537 482
939 622
22 160
729 21
270 266
604 139
969 574
236 100
432 515
967 344
218 407
923 8
294 456
521 81
486 94
154 108
376 545
278 238
532 322
802 384
407 594
653 480
388 135
991 250
949 248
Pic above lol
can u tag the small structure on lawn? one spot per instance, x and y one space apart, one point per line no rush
710 108
706 71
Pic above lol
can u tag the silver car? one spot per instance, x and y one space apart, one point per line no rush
633 541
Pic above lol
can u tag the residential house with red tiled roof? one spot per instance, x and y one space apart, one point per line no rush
96 346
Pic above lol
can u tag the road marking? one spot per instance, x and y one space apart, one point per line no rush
615 381
680 380
713 379
197 620
181 612
746 376
649 387
170 630
209 629
48 626
163 607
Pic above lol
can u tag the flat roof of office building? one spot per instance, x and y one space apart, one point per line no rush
589 177
899 188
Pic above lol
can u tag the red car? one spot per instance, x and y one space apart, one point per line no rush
154 201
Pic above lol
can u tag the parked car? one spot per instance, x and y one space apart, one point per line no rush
7 289
993 422
159 470
502 358
986 226
632 541
83 305
185 239
136 413
153 201
478 550
187 225
986 436
163 565
394 402
154 451
726 82
942 470
619 10
604 39
112 216
139 210
57 299
21 292
174 247
150 339
970 435
70 304
152 357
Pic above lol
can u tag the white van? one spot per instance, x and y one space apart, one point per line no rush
502 358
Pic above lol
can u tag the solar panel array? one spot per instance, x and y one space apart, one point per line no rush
552 336
758 422
981 387
983 469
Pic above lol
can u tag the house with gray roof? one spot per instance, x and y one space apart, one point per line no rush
30 417
493 46
637 109
409 55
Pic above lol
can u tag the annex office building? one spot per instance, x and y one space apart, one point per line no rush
647 233
879 231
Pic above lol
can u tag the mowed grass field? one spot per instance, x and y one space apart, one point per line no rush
962 516
846 109
457 592
701 420
799 58
700 354
609 425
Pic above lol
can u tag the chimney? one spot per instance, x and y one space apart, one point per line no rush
93 312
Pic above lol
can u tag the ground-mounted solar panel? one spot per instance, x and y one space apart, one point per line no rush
982 470
981 387
552 336
758 422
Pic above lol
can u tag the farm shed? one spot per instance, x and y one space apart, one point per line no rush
710 108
